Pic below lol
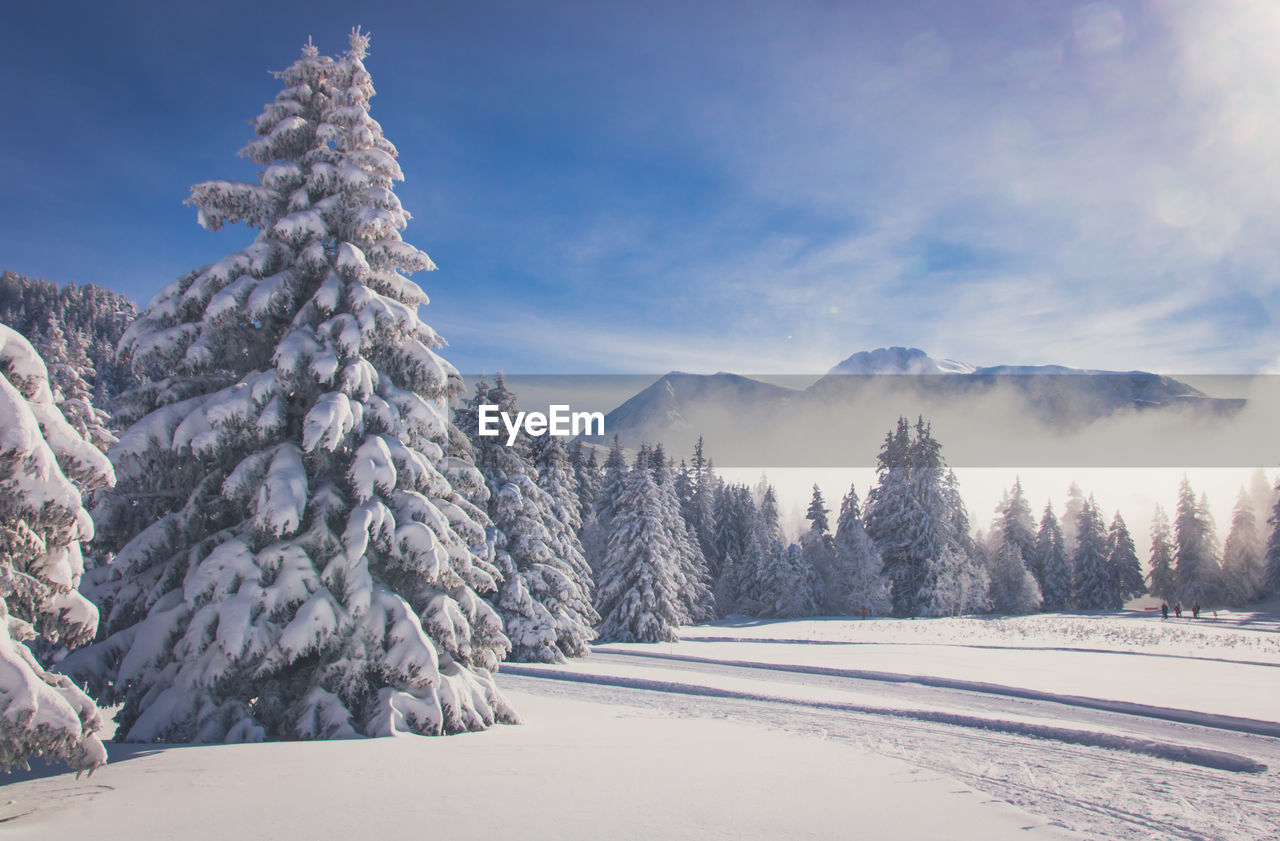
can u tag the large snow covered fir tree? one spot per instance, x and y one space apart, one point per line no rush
293 559
45 466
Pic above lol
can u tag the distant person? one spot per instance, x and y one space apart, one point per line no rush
1195 610
1164 610
1177 609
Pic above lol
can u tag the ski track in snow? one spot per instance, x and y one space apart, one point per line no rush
1112 771
1220 722
991 647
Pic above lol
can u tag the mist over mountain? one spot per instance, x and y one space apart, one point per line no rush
1023 411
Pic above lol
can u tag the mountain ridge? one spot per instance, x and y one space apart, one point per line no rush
883 383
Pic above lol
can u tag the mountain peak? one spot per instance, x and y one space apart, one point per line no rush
899 360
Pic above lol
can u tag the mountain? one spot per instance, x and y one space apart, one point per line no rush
898 360
846 411
1060 397
680 405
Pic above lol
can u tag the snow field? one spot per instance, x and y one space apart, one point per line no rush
573 770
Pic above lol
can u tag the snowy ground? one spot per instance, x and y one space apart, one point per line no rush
1116 727
574 770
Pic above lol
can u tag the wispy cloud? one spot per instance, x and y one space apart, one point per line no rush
1088 185
752 186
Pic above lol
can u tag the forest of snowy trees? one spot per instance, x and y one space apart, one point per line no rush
297 531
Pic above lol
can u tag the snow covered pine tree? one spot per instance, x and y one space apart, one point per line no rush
639 589
545 595
292 563
862 586
45 465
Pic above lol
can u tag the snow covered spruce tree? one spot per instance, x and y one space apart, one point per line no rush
639 586
819 551
1096 584
91 321
535 543
1071 518
1160 578
1013 520
735 515
1013 588
691 567
1243 570
755 582
595 535
45 466
1271 556
957 584
555 475
586 476
69 371
861 587
1196 572
697 505
292 561
787 585
913 513
1122 557
1052 563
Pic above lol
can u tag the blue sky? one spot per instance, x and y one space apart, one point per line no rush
763 187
